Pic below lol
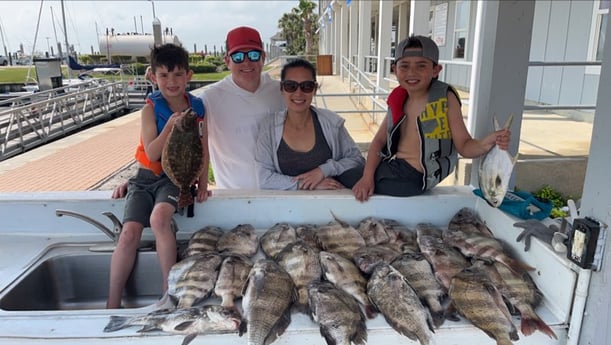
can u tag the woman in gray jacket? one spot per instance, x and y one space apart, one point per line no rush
304 147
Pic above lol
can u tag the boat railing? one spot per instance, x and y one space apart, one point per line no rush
37 118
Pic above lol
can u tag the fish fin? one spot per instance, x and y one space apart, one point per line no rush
508 122
243 327
359 337
327 335
531 322
183 325
116 323
279 328
341 222
495 123
148 328
189 338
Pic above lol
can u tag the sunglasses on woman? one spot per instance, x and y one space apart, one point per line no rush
291 86
239 57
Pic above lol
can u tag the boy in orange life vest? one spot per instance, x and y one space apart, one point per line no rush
151 196
425 130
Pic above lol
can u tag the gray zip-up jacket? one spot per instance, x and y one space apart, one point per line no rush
345 152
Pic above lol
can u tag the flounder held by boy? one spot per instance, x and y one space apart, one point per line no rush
182 158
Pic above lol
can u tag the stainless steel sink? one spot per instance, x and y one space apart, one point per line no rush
74 278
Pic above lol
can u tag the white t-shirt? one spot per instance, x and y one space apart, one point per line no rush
233 118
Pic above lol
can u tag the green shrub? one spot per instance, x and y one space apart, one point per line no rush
548 194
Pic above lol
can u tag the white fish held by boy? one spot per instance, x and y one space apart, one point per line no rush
495 171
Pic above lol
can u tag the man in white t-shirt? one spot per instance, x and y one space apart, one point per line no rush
234 106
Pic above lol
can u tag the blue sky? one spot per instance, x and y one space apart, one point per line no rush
194 22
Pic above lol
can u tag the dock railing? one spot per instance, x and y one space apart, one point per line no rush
35 119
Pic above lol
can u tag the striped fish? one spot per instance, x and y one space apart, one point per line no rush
478 300
483 247
191 280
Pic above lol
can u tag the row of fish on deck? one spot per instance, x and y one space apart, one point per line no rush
341 275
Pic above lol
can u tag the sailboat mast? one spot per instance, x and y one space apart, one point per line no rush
59 46
66 39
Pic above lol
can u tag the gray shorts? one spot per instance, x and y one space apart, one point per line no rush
144 191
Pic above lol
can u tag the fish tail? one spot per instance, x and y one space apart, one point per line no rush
303 308
438 318
370 311
516 266
531 322
185 198
116 323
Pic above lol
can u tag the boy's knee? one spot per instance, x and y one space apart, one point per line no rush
130 234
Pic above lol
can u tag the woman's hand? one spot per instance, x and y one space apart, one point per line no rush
329 183
310 179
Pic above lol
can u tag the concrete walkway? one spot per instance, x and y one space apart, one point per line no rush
80 161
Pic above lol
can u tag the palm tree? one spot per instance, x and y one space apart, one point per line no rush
297 28
305 11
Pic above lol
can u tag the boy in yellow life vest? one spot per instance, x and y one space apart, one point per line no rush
425 130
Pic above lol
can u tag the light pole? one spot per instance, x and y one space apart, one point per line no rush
48 46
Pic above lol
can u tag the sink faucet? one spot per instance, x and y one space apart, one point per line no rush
112 234
116 223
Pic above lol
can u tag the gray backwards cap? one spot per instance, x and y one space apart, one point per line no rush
429 48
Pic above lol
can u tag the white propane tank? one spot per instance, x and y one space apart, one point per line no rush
133 45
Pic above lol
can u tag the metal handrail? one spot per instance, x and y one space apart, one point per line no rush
41 117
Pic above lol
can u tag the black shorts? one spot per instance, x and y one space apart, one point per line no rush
397 177
144 191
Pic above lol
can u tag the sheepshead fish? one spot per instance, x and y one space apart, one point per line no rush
396 300
344 274
182 156
495 171
476 297
467 221
446 260
208 319
366 258
267 299
191 280
373 231
203 240
420 276
340 237
232 277
483 247
302 263
307 233
240 240
523 295
276 238
341 320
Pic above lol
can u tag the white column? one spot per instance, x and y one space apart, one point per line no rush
503 33
419 17
596 202
364 35
353 27
384 33
337 37
403 22
344 40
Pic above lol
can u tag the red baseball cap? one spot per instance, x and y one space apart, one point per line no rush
243 37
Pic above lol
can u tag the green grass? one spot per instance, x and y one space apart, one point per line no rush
18 75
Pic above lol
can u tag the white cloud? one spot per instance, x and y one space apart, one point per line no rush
194 22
